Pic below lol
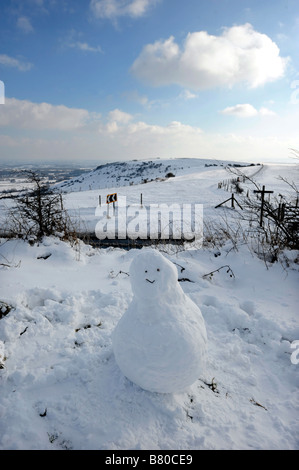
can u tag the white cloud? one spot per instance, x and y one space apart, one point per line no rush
77 133
247 110
120 116
112 127
24 114
187 95
73 40
149 141
239 55
84 46
116 119
24 24
175 129
240 110
8 61
139 139
113 9
267 112
132 137
125 125
124 128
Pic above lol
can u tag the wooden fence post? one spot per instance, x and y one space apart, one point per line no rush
262 192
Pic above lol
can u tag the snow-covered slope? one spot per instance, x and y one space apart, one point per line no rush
138 171
60 385
62 389
198 184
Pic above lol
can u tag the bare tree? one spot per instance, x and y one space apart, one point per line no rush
39 212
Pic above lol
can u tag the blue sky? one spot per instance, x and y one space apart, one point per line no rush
121 79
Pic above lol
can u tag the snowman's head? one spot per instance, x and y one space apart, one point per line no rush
152 275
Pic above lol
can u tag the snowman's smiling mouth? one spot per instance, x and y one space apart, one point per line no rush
152 282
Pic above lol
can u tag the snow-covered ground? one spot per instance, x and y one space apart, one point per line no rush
197 184
140 171
60 385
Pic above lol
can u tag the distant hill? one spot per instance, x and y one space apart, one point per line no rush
136 172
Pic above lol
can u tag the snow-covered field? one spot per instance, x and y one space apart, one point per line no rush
195 183
61 387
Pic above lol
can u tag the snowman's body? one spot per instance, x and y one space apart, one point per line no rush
160 341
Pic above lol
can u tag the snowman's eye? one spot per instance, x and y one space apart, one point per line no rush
158 269
145 271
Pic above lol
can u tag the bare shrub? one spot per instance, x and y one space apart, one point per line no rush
267 235
39 212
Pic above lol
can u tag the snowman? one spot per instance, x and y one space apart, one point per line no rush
160 341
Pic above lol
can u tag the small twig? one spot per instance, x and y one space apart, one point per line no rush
212 385
229 270
24 331
44 256
8 265
182 268
185 279
115 275
252 400
86 327
5 308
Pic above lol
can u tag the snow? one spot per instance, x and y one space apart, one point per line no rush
121 174
198 184
61 387
160 341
